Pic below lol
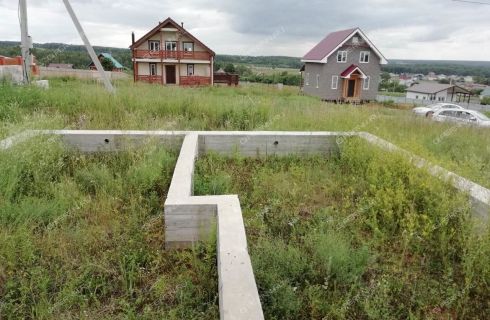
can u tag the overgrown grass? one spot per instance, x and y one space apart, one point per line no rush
82 237
84 105
361 236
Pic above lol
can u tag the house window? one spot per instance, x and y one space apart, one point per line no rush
190 69
317 81
153 69
307 80
342 56
335 82
188 46
171 45
416 97
367 81
364 57
355 40
154 45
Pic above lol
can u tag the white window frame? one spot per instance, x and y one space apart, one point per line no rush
355 40
367 81
343 56
173 46
317 81
151 65
191 49
154 45
307 80
335 83
191 69
363 55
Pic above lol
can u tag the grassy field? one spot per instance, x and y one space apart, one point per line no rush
82 235
82 238
361 236
81 105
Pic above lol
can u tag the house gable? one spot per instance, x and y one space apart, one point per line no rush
336 40
170 25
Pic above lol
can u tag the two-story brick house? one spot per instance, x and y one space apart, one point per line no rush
170 55
344 67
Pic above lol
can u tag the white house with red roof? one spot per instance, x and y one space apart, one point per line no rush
343 67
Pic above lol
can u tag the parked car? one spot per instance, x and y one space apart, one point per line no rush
430 109
462 116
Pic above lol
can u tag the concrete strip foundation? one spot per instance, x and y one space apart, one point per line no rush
189 219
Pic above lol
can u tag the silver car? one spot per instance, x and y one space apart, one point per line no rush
429 110
470 117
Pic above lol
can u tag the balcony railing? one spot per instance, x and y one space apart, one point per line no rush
184 80
172 55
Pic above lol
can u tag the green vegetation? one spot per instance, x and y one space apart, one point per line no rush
390 87
82 237
479 69
84 105
289 77
361 236
63 53
485 101
77 55
107 64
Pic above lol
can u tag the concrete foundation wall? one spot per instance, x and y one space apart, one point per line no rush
189 219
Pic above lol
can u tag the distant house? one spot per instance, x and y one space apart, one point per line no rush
118 67
345 66
485 93
468 79
433 91
60 65
170 55
11 68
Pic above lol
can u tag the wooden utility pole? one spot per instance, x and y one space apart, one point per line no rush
26 43
90 49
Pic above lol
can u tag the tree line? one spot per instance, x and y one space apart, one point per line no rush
77 55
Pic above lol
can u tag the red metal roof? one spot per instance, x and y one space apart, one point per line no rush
327 45
347 72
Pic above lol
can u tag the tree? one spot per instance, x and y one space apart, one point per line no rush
230 68
444 81
385 76
107 64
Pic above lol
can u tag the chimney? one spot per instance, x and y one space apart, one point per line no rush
132 37
182 24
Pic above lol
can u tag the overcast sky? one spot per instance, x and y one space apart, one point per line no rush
411 29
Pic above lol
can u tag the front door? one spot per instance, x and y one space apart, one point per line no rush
352 88
170 75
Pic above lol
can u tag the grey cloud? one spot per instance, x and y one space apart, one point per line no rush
253 21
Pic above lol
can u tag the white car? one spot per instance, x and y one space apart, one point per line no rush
429 110
462 116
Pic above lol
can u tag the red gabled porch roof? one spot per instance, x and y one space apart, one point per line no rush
350 70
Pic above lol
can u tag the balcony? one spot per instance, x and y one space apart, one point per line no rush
172 55
184 80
